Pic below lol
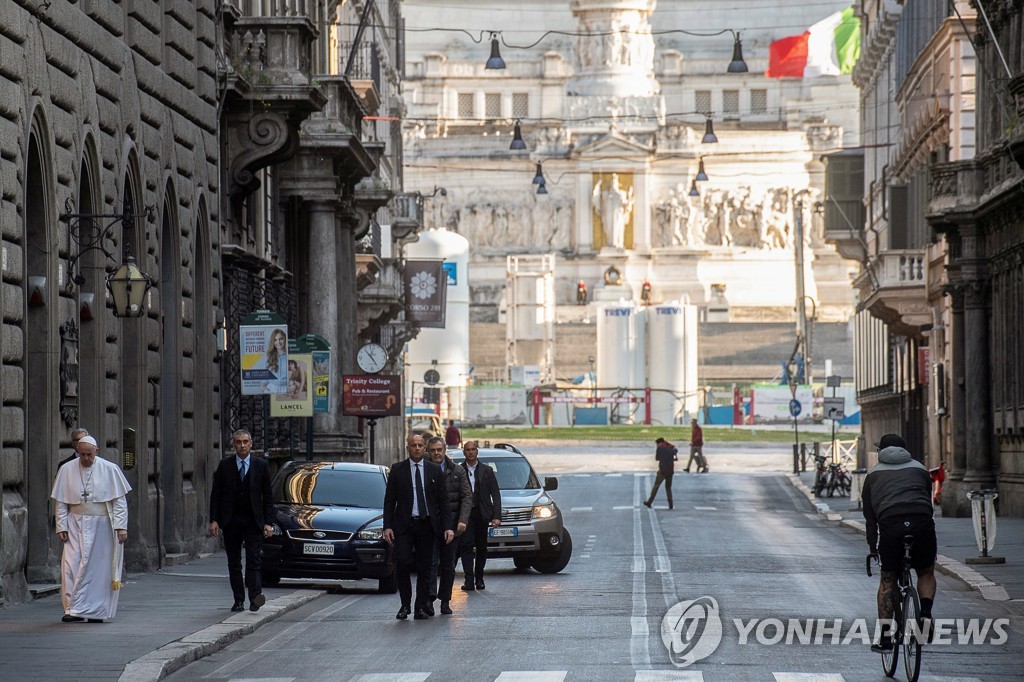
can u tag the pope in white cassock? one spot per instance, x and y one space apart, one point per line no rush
92 522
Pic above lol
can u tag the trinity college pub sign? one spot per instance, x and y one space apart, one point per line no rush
371 396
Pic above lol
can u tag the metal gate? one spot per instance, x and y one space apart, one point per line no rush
244 292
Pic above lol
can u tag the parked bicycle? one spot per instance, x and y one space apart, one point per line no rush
831 477
906 621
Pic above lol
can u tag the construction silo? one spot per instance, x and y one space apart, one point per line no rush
620 352
445 350
672 361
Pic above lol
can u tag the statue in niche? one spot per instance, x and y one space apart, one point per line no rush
675 218
715 226
615 206
744 229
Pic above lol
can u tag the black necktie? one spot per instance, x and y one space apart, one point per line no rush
241 471
421 501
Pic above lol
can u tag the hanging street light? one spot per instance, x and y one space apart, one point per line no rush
495 61
737 65
694 192
517 139
709 133
538 179
701 175
128 287
542 189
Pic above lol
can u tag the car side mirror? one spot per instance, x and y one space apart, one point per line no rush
550 483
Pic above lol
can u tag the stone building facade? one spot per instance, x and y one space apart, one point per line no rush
233 134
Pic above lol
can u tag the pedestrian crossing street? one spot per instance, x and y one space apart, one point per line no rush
640 676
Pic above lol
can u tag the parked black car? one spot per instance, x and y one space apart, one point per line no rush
329 524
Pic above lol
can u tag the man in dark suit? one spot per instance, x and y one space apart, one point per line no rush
486 513
242 505
415 513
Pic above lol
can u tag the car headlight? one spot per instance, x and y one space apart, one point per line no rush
275 529
374 531
543 511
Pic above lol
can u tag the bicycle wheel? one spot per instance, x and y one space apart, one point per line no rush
891 658
911 635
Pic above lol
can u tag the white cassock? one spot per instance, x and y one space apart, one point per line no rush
91 506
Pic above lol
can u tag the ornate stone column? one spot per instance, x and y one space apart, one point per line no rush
322 301
954 501
977 373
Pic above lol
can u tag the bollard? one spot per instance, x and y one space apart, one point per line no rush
983 514
857 477
796 458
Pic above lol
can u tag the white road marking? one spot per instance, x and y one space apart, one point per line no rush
532 676
662 562
581 509
625 506
706 508
669 676
809 677
614 475
639 655
392 677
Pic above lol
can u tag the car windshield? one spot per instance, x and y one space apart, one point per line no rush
514 473
304 485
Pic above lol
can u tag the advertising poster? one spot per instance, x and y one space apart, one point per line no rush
321 381
297 401
771 405
264 354
372 396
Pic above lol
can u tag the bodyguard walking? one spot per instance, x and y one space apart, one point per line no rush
415 513
242 506
666 454
485 513
460 501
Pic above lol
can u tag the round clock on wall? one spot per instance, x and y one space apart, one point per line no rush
371 358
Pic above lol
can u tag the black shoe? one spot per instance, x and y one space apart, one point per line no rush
256 602
670 505
704 471
883 644
445 609
403 613
421 615
95 620
68 618
238 606
468 587
687 469
429 608
647 504
480 584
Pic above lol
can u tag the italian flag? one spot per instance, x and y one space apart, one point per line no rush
830 47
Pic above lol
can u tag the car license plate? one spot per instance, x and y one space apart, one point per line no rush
504 532
317 548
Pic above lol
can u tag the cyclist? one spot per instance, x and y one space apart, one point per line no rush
897 500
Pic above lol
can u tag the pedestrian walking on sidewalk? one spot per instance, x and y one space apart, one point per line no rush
697 448
92 523
897 500
242 506
666 454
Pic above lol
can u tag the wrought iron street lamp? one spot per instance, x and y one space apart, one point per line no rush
128 287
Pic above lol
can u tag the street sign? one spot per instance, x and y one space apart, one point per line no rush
432 395
834 408
371 396
431 377
834 381
794 408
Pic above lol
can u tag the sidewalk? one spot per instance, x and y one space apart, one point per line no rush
995 582
165 620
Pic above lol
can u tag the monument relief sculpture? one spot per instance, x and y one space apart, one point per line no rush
615 207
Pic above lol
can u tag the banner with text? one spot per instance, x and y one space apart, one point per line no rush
297 401
371 395
263 352
426 292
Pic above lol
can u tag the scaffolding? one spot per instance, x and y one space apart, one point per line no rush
530 313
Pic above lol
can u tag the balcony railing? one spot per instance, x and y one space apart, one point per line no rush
896 269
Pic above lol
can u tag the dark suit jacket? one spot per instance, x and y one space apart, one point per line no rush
399 493
226 486
486 495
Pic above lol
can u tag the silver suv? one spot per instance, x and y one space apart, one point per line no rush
531 531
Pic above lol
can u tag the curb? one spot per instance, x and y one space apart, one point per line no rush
973 580
158 664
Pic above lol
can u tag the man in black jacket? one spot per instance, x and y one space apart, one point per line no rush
460 501
242 505
666 454
415 513
897 500
485 513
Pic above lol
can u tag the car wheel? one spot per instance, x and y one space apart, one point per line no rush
270 579
554 564
523 563
387 585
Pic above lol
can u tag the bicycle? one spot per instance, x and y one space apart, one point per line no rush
820 476
906 613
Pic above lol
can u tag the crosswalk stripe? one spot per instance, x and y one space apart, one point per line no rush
668 676
933 678
532 676
581 509
392 677
621 507
808 677
706 508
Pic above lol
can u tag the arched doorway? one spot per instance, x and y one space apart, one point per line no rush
206 454
42 402
92 313
168 408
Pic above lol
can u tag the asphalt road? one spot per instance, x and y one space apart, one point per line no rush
742 538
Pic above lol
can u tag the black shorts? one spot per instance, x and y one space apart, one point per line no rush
890 542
